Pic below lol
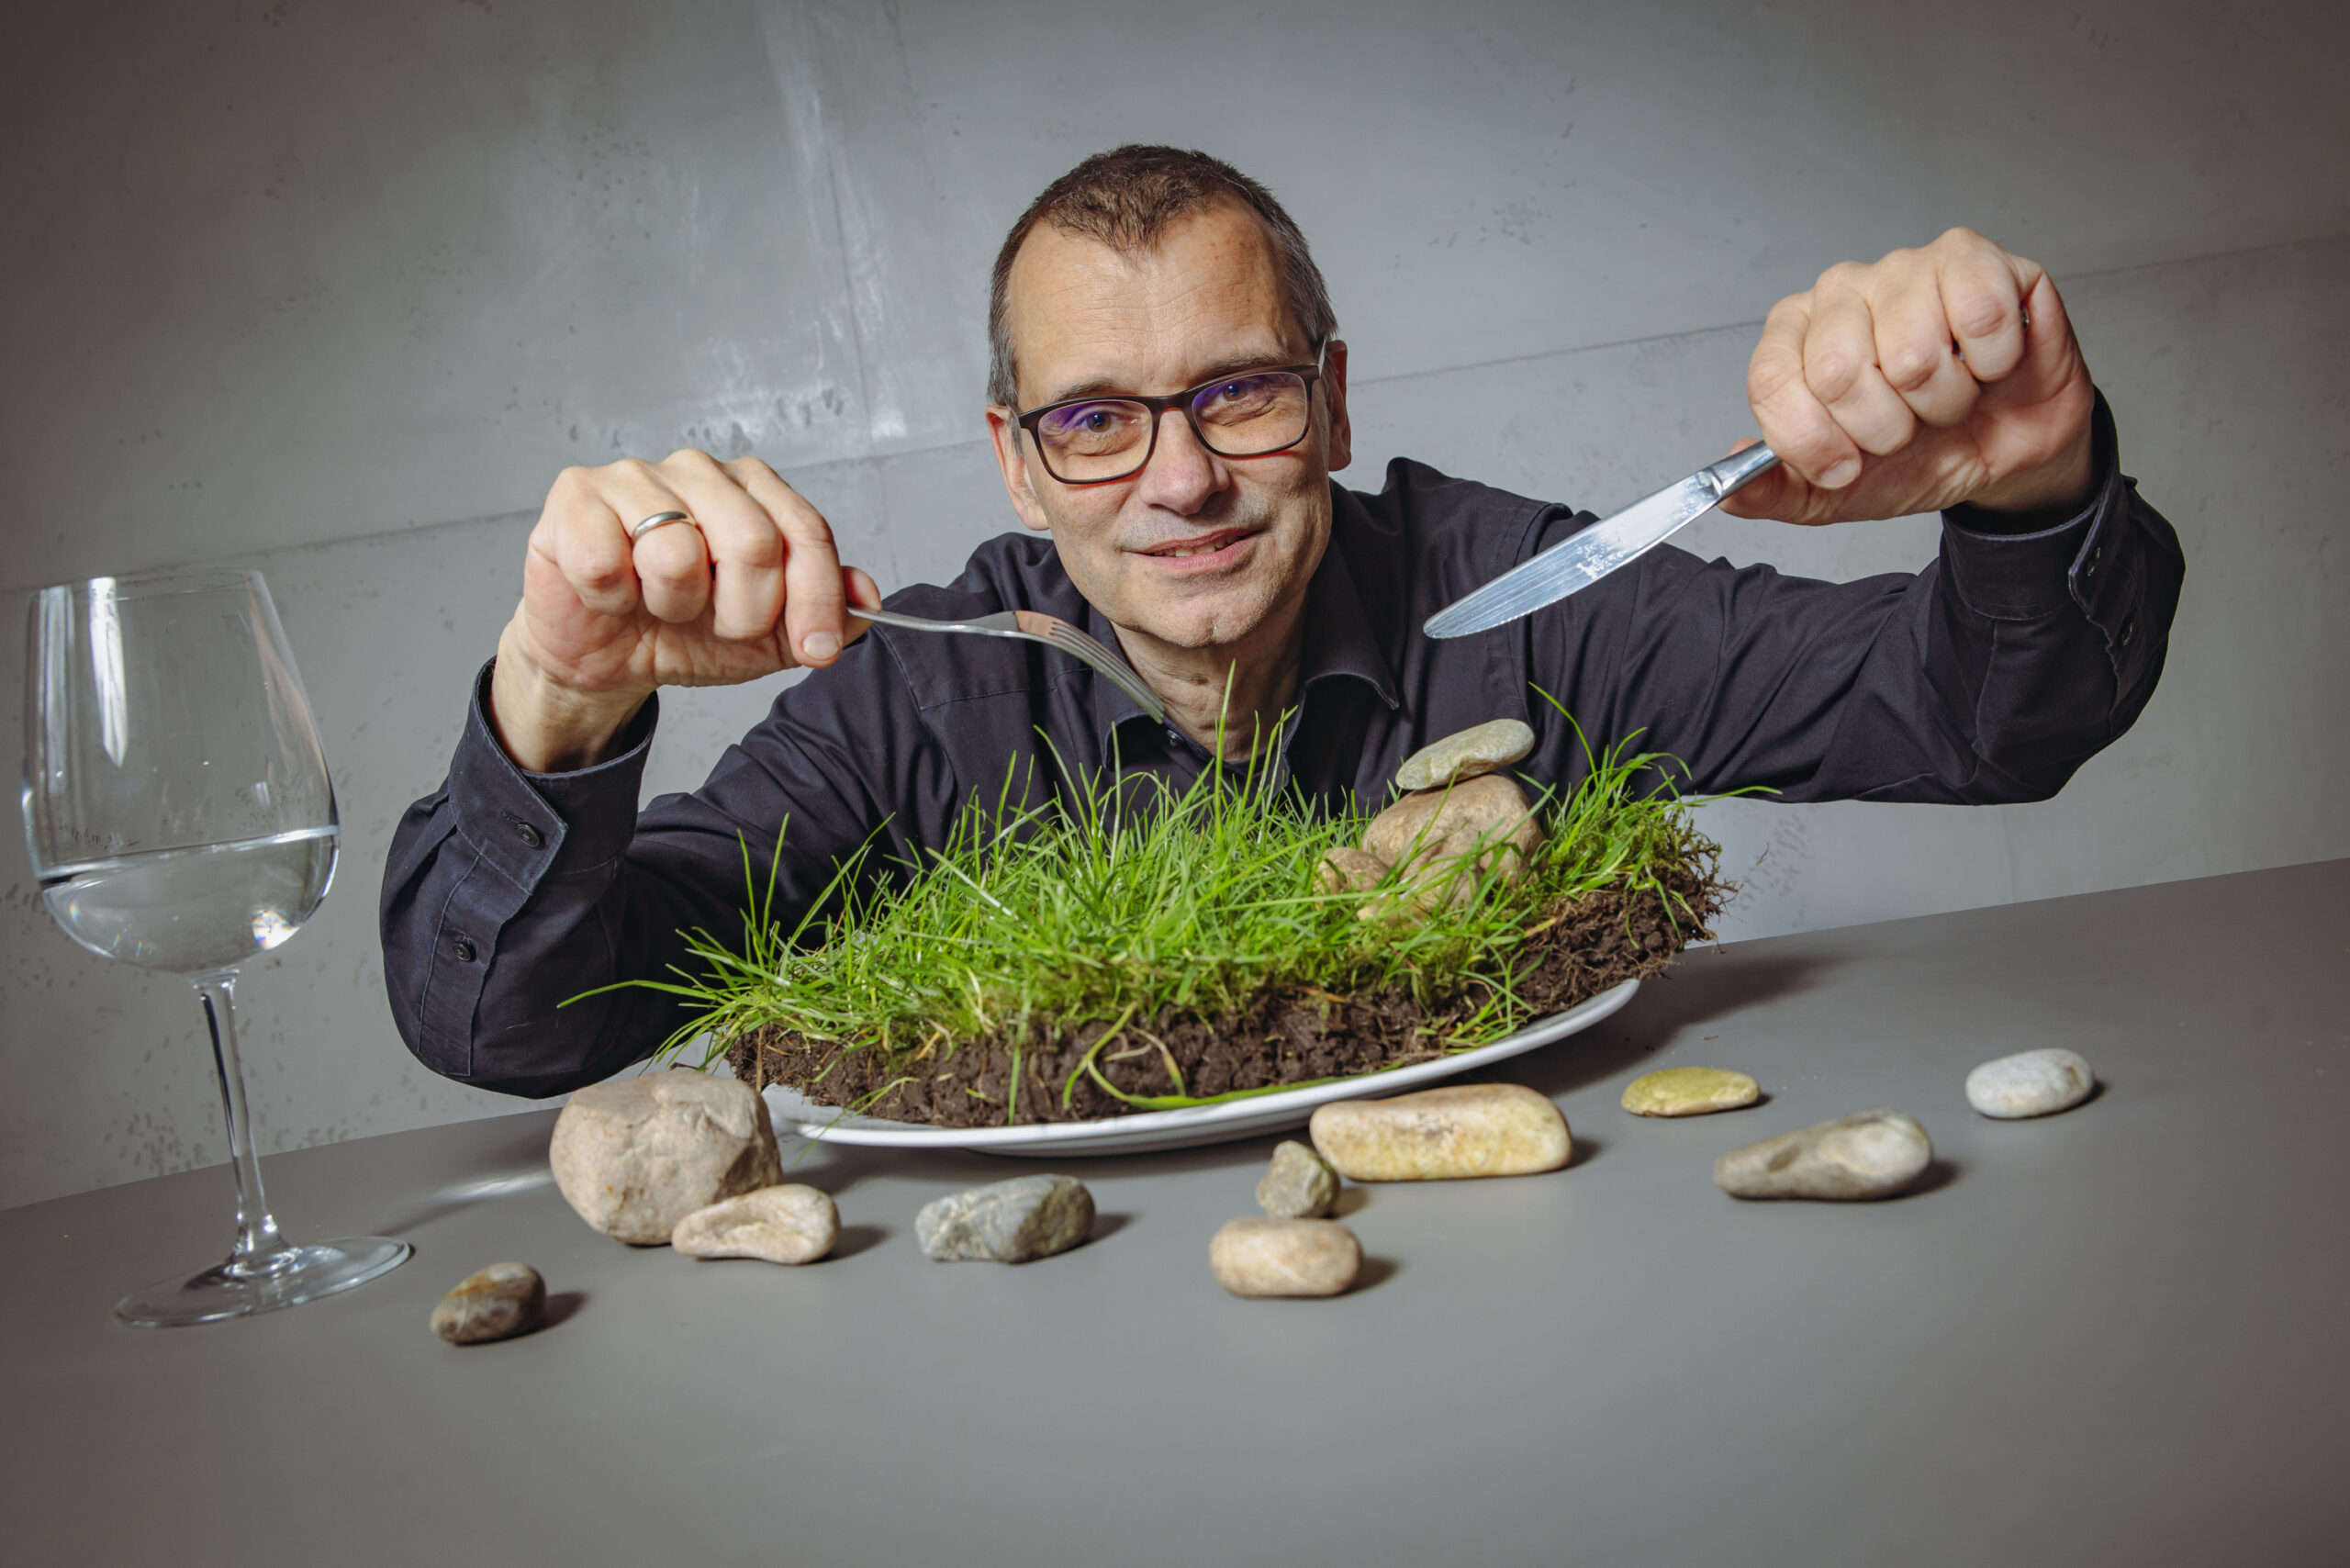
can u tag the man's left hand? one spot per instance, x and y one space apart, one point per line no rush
1937 376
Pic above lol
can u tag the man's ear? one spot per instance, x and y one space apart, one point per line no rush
1334 381
1013 459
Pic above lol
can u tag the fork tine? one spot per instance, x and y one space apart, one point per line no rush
1078 645
1057 634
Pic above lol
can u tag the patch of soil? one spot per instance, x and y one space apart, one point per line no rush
1285 1036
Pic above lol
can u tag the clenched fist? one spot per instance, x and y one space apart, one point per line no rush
1933 377
751 585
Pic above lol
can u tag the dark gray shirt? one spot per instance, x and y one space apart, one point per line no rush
1989 676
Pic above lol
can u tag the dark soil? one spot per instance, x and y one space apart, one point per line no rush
1593 943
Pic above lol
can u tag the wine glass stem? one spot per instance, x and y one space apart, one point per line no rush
257 1237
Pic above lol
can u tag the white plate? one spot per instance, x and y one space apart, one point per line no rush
1185 1128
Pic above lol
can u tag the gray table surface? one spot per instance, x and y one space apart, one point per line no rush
2116 1335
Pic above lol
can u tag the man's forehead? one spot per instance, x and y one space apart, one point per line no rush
1080 312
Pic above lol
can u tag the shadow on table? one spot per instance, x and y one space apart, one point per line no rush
562 1306
855 1238
1937 1175
515 1163
1705 986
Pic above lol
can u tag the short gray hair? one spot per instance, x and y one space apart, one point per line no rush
1127 198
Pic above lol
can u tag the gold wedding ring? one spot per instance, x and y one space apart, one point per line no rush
656 520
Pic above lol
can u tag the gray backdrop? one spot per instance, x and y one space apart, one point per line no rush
336 289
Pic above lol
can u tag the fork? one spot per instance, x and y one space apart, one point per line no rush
1036 626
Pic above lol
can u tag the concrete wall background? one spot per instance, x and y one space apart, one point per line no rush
336 289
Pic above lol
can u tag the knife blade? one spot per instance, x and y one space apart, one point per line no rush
1583 560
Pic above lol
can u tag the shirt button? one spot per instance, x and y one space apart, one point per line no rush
464 949
528 835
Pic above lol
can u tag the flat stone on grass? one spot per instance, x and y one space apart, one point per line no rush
1466 754
1007 1222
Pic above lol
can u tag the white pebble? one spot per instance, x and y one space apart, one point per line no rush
788 1223
2031 1084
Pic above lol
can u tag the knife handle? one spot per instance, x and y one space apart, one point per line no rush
1733 472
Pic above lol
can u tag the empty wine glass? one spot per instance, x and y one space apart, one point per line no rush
180 818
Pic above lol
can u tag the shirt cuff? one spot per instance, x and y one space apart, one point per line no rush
2024 576
525 824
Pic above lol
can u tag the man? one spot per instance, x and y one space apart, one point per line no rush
1168 401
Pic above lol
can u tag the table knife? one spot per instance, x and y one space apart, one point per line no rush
1583 560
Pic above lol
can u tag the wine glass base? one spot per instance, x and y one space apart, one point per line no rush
286 1278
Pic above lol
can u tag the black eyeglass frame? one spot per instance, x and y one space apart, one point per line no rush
1309 374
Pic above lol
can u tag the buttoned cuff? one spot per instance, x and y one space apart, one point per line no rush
2025 576
524 824
517 829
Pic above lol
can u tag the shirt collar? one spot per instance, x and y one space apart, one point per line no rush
1339 640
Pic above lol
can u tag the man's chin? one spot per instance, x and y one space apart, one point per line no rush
1216 622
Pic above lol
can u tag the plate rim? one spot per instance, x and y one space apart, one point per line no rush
873 1132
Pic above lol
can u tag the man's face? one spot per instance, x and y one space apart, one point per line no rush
1197 550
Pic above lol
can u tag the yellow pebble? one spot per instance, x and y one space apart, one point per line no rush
1689 1092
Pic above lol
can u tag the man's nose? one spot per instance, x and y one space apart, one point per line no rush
1181 475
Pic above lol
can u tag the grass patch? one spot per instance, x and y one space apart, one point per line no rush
1111 953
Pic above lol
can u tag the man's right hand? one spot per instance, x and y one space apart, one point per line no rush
751 585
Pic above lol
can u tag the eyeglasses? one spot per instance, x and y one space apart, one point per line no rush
1092 440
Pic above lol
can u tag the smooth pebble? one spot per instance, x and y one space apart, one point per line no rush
1870 1154
635 1155
2029 1083
1470 1129
1007 1222
1466 754
790 1224
496 1302
1256 1257
1298 1184
1420 830
1446 841
1689 1092
1349 871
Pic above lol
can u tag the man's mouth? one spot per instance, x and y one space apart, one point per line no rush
1206 549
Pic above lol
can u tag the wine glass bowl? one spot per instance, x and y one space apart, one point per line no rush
180 818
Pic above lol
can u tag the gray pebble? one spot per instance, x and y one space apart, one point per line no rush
1298 1184
1007 1222
496 1302
1871 1154
1465 755
2029 1083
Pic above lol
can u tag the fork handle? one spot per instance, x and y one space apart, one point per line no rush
1003 624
